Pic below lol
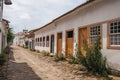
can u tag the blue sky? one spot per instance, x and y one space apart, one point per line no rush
32 14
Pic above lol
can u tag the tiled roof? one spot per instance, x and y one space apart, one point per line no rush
87 2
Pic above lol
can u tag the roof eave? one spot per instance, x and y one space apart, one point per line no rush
64 15
8 2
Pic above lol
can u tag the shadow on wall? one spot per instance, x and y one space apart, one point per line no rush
20 71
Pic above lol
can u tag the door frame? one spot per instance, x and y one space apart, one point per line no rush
88 32
79 34
87 35
51 42
57 41
66 41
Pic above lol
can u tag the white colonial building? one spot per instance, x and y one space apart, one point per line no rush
31 39
3 25
21 38
85 22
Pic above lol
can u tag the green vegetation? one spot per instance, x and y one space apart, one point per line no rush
37 51
24 46
32 49
10 35
3 56
94 61
59 57
73 60
45 53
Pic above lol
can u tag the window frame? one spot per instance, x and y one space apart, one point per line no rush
66 37
97 24
44 41
88 32
36 41
59 35
70 35
47 41
109 46
40 41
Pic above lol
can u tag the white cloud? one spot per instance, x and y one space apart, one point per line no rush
25 16
36 13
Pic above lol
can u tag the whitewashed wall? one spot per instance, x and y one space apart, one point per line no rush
102 11
48 31
0 42
0 28
2 33
30 43
16 40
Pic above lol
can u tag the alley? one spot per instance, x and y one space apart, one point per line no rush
27 65
24 66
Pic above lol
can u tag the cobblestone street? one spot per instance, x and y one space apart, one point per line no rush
24 65
59 40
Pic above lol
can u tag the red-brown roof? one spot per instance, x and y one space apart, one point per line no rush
31 35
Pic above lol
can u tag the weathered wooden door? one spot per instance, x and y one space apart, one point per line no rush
69 43
52 44
59 43
83 38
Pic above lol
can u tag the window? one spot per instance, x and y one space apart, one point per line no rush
69 34
40 41
43 41
114 33
60 36
47 41
36 39
95 33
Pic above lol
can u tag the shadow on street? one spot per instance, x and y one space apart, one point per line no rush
20 71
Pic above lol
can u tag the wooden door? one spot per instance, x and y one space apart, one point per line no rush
69 43
52 44
83 38
59 43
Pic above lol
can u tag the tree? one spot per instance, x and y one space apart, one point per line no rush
10 35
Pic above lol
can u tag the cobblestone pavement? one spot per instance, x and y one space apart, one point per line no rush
23 65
